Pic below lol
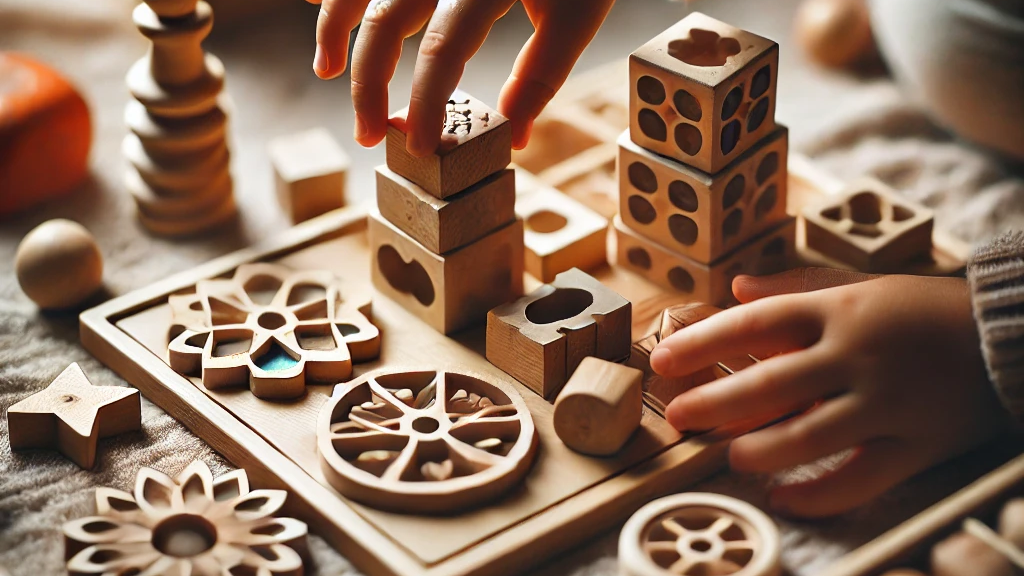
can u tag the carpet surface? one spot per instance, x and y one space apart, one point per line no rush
851 126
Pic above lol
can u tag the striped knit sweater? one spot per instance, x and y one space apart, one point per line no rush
996 275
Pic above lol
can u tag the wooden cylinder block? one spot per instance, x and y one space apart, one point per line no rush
600 407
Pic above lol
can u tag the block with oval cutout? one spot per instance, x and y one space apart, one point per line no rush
542 337
453 291
702 92
704 216
476 141
443 225
771 252
560 233
870 227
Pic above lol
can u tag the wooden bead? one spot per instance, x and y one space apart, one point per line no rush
600 407
965 555
835 33
45 134
59 264
1011 522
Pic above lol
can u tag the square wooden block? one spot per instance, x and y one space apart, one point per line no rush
703 216
453 291
771 252
476 142
310 169
560 234
870 227
443 225
702 92
542 337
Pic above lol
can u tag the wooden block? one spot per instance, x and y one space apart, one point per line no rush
476 142
703 216
453 291
702 92
870 227
442 225
771 252
309 170
542 337
71 414
560 233
599 408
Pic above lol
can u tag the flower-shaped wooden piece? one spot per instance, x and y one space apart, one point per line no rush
704 48
427 441
189 525
699 534
272 328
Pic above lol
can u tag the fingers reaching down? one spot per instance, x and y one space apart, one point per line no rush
750 288
334 24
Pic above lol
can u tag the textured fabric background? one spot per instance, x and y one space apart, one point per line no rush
850 125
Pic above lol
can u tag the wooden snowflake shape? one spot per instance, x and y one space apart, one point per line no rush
272 328
424 441
190 525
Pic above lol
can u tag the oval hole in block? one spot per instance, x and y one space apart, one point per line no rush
687 105
652 125
730 136
562 304
639 257
761 82
732 223
650 90
681 280
733 191
546 222
688 139
682 196
758 114
766 202
866 208
642 177
769 165
732 102
641 210
683 229
408 278
704 48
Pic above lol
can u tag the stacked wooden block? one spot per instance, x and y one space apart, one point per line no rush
702 167
445 240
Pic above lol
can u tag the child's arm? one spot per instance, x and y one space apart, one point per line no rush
455 30
890 366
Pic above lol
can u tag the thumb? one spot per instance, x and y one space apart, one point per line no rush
749 288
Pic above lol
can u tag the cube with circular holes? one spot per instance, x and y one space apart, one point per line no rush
702 92
703 216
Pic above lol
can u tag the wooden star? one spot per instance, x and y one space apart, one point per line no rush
71 414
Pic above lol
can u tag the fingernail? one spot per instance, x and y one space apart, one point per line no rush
661 360
320 62
360 128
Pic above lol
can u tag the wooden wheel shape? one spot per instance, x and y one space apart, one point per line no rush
424 442
699 534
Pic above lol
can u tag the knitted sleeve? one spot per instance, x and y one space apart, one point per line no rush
996 276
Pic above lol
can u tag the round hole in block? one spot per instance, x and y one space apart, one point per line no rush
758 114
681 280
699 545
766 202
704 48
405 277
866 208
546 222
730 136
682 196
650 90
652 125
733 191
641 210
687 105
901 213
562 304
688 138
271 320
761 82
184 536
642 177
732 102
639 257
683 229
769 165
732 223
425 425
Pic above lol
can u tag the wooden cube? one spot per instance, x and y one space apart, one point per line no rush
443 225
453 291
542 337
703 216
476 142
870 227
310 169
560 234
702 92
771 252
599 408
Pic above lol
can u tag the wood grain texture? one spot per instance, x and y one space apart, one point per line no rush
600 407
310 169
560 234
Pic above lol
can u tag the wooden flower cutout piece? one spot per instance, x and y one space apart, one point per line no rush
191 524
427 441
704 48
272 328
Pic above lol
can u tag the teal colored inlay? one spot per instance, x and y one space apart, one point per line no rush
276 359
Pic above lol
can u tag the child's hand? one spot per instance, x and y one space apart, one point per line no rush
891 365
455 31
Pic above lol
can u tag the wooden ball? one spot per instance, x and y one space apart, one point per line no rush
1011 522
59 264
965 555
835 33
